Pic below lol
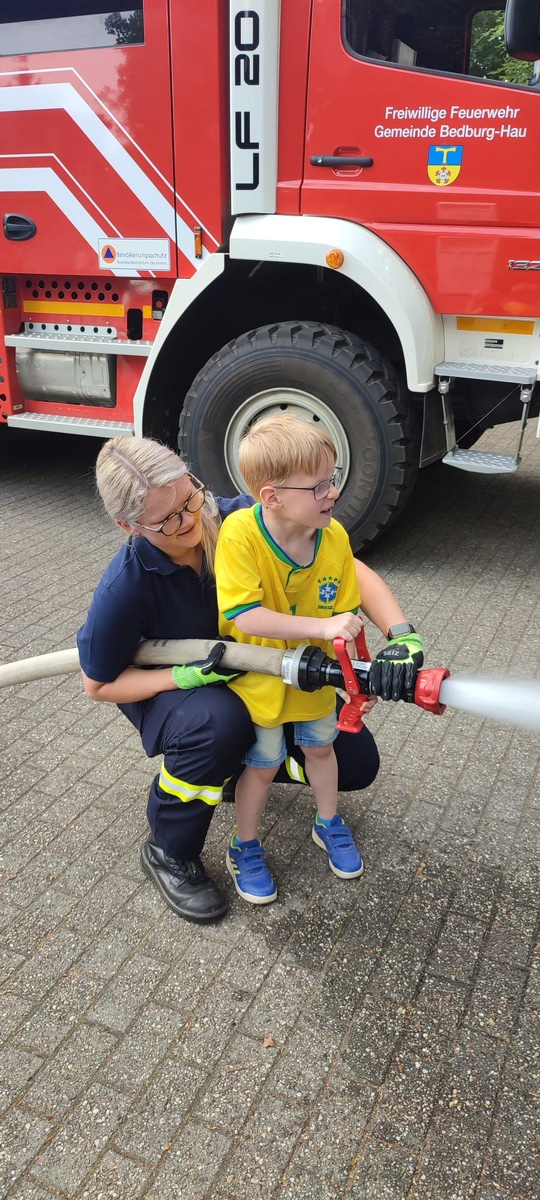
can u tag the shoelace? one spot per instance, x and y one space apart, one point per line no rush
192 868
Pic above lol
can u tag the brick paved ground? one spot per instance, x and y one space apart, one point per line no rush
374 1040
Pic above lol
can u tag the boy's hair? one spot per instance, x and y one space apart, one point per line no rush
128 468
280 446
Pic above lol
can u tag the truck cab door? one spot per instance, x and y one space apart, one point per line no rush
86 168
450 124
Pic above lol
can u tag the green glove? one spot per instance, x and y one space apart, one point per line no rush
200 674
395 668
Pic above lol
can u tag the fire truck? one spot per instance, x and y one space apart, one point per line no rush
215 211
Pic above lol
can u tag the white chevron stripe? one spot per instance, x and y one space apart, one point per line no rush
44 179
39 97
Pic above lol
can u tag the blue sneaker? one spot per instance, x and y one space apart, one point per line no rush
336 838
251 876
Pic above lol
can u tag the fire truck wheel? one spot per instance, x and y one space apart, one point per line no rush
324 375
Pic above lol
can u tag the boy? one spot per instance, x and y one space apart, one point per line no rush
285 575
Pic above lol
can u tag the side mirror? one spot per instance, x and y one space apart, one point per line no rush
522 29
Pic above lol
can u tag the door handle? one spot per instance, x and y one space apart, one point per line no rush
336 160
18 228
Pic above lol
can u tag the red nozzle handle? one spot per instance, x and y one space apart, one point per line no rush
428 686
350 717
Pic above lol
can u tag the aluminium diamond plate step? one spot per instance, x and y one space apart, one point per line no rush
91 426
495 372
482 462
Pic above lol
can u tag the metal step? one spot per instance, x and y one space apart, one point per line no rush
78 343
497 372
481 462
93 427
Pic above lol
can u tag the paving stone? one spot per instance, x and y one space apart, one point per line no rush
21 1136
209 1029
51 960
193 1164
156 1119
115 943
116 1178
236 1083
404 1110
472 1078
27 1190
150 1039
371 1038
69 1071
495 998
301 1070
258 1162
330 1139
188 981
512 1158
302 1185
382 1172
458 948
452 1163
17 1068
79 1143
279 1001
132 985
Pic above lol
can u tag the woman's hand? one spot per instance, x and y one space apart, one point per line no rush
204 672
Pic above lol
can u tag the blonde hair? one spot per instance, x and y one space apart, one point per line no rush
280 446
128 468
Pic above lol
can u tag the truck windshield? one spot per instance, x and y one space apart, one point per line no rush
453 37
42 25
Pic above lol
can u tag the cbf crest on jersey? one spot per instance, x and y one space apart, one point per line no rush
444 164
328 589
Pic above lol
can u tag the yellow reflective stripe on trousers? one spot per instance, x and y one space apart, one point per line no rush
295 771
188 791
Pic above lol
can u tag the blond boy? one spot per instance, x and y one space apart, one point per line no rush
285 575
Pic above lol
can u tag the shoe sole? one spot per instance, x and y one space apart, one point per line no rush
340 874
196 919
247 895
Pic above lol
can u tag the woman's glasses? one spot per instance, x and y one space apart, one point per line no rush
173 522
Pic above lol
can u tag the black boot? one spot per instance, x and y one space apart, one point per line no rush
185 886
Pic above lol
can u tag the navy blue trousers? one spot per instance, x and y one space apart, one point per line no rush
203 735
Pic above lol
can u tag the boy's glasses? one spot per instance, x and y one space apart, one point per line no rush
320 490
173 522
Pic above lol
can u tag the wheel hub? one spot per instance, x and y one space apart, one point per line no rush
272 401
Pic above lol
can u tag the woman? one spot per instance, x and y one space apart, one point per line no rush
160 584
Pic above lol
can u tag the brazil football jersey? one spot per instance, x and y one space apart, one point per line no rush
253 571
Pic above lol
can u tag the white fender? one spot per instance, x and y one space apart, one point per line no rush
369 261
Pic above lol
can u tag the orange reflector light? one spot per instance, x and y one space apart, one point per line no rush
197 238
335 258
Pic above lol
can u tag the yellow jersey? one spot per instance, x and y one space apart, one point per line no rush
253 571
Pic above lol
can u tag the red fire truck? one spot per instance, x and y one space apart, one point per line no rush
217 210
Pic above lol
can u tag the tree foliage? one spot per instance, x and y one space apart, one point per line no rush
488 57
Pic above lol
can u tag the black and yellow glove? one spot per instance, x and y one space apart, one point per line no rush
200 674
394 669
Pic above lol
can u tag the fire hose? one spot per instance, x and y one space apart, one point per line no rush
511 701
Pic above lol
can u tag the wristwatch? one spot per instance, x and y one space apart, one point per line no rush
400 629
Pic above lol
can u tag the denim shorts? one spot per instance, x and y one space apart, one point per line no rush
270 750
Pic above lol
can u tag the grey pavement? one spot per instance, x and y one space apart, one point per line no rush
373 1039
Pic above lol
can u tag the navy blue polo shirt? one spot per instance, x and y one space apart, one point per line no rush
143 595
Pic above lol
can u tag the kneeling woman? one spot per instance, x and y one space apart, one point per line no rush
161 584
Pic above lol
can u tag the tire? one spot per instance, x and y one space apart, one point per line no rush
322 374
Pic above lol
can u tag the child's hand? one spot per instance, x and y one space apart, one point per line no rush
365 708
346 625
